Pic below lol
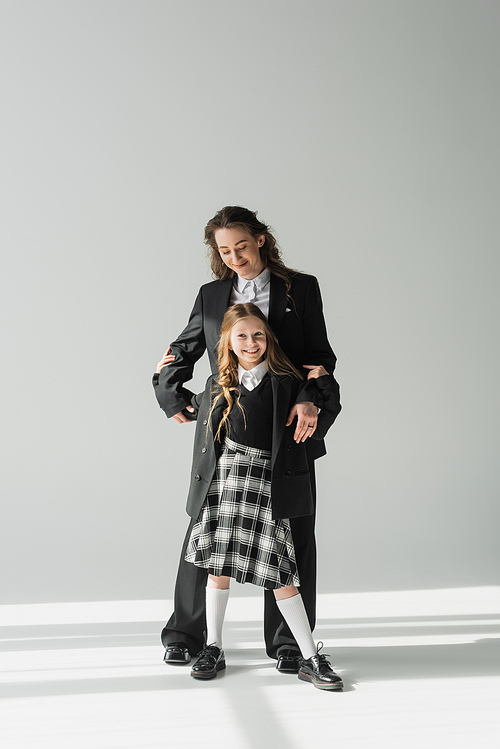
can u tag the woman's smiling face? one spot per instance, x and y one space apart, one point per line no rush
240 251
248 341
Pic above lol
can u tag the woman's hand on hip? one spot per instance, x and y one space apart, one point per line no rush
307 419
317 370
167 358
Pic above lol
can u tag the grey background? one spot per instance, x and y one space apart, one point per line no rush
366 134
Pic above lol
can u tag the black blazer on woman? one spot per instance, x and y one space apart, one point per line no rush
297 321
291 494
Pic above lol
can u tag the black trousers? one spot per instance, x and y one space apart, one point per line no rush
188 624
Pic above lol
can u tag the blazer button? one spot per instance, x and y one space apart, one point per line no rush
205 422
203 449
197 477
288 447
288 474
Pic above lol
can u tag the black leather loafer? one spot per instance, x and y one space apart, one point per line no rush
177 652
319 672
210 662
288 661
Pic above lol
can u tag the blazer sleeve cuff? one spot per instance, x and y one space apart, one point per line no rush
308 391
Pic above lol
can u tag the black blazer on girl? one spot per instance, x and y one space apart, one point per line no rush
291 494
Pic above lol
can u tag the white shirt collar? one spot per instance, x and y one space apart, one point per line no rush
260 281
256 374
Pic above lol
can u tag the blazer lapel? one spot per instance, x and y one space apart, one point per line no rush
216 414
281 400
214 309
221 302
277 302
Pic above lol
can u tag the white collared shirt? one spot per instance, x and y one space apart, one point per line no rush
257 291
250 378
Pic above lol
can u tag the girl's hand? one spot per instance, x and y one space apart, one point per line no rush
167 359
317 370
181 419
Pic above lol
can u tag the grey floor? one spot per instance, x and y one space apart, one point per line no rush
421 668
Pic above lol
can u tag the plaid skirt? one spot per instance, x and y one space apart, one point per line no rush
235 534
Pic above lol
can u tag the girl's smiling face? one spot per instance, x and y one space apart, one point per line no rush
248 341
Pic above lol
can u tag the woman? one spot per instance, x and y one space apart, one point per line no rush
247 265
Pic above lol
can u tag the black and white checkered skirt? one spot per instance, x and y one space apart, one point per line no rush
235 534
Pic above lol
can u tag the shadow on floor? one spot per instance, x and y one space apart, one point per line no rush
248 665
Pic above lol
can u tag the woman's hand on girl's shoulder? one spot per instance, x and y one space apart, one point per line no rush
317 370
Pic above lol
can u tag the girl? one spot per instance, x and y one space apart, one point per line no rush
248 478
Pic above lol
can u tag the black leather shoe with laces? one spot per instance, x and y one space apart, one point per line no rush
210 662
319 672
177 652
289 661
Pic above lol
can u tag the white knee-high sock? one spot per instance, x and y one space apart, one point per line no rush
294 613
216 600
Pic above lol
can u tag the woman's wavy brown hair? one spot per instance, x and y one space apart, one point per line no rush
235 215
277 361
